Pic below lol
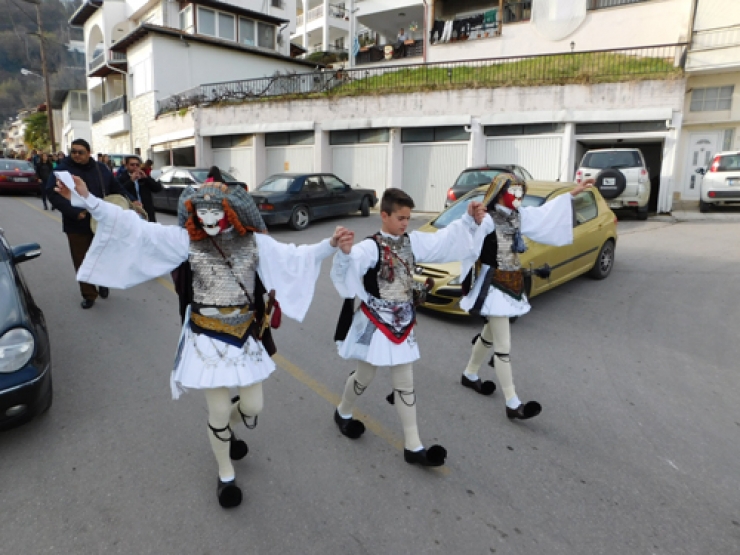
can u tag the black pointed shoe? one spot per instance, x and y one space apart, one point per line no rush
238 448
350 427
103 292
434 456
229 494
479 386
524 411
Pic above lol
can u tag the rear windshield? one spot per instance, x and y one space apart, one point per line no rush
277 184
20 165
456 211
475 178
729 163
201 175
615 159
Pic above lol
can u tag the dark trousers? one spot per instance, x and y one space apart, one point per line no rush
79 243
44 194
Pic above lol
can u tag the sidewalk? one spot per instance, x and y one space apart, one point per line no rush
688 211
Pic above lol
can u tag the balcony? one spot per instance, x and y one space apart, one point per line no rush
314 19
374 54
113 116
714 50
106 63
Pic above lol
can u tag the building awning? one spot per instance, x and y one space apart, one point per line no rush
84 12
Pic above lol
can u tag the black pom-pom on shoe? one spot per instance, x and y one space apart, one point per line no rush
104 292
479 386
524 411
391 398
229 494
434 456
238 448
349 427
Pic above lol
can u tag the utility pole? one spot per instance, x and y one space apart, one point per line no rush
45 73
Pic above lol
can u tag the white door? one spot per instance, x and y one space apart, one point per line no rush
236 161
289 159
701 148
540 156
363 166
429 170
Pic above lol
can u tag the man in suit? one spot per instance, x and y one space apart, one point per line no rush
139 185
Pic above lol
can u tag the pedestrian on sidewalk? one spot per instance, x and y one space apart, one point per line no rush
43 171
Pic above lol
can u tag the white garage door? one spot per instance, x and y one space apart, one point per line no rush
429 170
362 166
236 161
293 159
540 156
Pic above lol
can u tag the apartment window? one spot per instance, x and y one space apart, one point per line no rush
598 4
231 141
78 102
277 3
265 35
186 20
142 77
434 134
517 10
727 139
206 22
712 99
226 29
527 129
247 31
292 138
620 127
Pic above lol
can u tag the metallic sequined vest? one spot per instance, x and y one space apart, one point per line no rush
506 226
395 272
214 283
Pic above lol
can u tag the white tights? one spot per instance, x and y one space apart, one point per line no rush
496 331
223 413
402 377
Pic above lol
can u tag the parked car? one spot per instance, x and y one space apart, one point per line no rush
471 178
18 176
298 199
176 179
621 176
25 355
592 251
721 183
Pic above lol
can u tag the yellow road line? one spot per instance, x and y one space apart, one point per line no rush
299 374
47 213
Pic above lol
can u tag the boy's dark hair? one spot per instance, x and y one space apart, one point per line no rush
393 199
130 157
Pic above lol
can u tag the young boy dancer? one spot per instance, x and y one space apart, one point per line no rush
379 270
225 341
498 293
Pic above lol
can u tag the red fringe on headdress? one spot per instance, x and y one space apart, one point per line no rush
197 233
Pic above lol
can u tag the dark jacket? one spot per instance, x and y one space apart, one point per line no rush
100 182
43 171
147 186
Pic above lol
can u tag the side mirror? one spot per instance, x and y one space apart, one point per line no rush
29 251
700 171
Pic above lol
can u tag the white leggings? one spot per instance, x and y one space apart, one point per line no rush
402 377
496 331
223 415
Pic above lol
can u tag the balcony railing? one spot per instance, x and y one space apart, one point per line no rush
96 62
373 54
598 4
318 12
116 106
598 66
113 58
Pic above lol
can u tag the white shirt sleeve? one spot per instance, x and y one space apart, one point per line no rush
127 250
291 271
551 223
348 270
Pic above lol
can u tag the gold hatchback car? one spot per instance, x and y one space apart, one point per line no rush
592 251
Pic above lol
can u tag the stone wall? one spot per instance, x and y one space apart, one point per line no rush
142 109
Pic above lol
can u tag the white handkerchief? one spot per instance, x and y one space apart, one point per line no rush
65 177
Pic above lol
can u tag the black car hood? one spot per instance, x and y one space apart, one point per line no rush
11 309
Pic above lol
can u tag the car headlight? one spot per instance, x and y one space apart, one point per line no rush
16 349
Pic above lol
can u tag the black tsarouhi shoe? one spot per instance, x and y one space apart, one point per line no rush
229 494
479 386
349 427
434 456
524 411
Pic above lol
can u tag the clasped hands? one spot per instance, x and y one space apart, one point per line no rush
342 238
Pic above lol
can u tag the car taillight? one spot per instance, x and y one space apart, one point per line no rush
451 195
643 176
579 176
265 206
3 177
715 165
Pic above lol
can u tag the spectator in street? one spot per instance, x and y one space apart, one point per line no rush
107 161
34 157
139 185
147 167
100 157
402 36
76 221
43 170
59 158
214 175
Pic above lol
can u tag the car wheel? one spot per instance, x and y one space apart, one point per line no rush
642 213
300 218
704 207
365 207
604 262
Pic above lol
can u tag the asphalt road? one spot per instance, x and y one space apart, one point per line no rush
636 451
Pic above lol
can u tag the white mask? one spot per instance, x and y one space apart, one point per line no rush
210 218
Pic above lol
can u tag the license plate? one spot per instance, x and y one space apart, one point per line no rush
610 181
615 205
733 182
23 179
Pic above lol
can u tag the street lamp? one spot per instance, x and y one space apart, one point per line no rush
49 115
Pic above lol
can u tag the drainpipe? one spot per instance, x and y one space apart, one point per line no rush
424 33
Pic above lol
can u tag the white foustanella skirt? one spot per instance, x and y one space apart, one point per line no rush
206 363
497 302
366 342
